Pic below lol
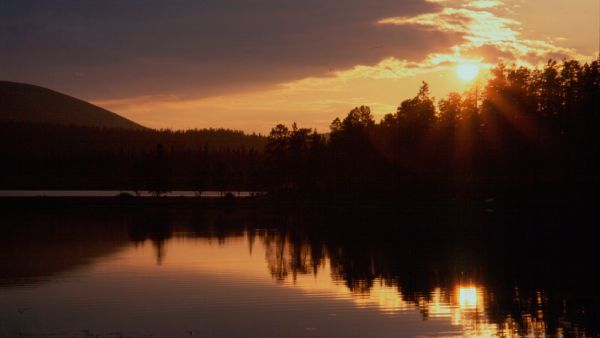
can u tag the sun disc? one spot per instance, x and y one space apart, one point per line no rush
467 71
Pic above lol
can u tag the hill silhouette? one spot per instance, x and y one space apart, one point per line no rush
22 102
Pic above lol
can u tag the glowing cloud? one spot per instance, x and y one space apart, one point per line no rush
483 28
485 33
483 4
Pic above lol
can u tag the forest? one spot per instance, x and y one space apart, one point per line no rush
525 134
45 156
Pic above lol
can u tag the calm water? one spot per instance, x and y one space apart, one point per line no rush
110 272
112 193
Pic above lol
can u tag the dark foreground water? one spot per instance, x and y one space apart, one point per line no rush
98 271
115 193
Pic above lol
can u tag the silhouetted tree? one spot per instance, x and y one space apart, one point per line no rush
418 112
159 171
450 108
532 135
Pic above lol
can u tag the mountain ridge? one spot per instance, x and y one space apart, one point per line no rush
23 102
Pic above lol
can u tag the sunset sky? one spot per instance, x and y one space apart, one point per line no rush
249 64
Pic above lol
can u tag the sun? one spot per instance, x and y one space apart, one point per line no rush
467 71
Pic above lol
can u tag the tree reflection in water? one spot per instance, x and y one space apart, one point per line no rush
488 275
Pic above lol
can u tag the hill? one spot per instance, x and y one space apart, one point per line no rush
21 102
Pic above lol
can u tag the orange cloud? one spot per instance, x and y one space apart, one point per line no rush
482 28
489 35
483 4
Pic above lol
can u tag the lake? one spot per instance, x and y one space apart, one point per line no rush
260 271
113 193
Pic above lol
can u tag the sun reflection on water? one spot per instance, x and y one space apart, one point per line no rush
467 297
464 306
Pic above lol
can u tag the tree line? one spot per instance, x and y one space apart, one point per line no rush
526 132
45 156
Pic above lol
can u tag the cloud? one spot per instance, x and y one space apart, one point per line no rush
312 102
247 64
114 48
491 37
475 25
483 4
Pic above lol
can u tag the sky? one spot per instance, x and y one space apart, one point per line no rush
250 64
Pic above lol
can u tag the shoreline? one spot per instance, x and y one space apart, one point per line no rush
435 209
